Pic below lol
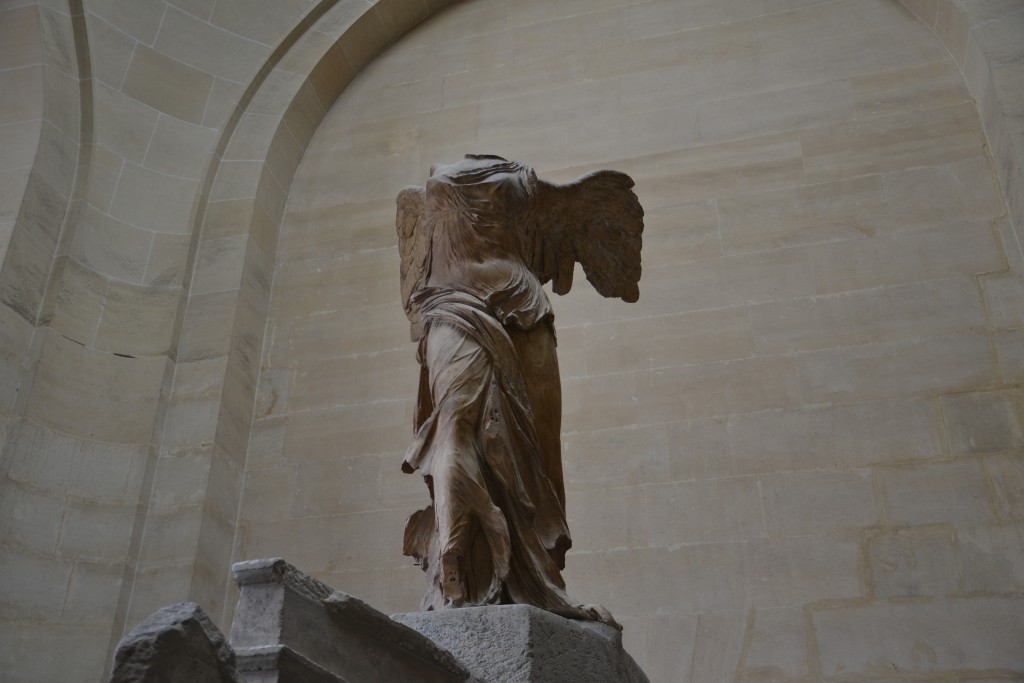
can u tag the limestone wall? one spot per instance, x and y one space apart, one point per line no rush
797 457
126 387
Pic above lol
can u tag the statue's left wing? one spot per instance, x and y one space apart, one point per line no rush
596 220
414 248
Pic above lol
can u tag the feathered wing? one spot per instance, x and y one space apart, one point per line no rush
414 248
596 220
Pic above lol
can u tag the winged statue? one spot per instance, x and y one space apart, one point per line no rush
477 244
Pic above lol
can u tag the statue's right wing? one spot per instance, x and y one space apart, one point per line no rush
595 220
414 248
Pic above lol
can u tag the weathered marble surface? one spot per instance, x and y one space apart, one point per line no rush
291 628
176 644
520 643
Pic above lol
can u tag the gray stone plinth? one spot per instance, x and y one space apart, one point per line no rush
176 644
507 643
291 628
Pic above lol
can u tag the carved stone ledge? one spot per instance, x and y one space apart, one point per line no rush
276 570
289 627
275 663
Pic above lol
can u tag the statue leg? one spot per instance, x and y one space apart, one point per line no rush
460 376
539 362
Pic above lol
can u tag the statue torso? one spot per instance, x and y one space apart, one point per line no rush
477 211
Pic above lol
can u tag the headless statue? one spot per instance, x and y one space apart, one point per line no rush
477 244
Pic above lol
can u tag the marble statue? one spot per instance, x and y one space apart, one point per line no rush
477 244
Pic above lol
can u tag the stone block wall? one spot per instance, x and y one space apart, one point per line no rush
133 283
798 457
792 459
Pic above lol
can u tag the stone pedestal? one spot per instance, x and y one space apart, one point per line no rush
506 643
291 628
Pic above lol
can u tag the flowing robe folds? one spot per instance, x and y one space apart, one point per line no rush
489 406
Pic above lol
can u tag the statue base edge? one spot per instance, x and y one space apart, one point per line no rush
522 643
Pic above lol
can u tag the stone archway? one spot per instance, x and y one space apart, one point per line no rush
135 324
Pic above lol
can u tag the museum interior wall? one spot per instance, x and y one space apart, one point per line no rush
797 457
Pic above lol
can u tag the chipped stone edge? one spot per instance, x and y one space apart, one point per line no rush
277 570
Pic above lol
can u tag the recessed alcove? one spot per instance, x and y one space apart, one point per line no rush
798 450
